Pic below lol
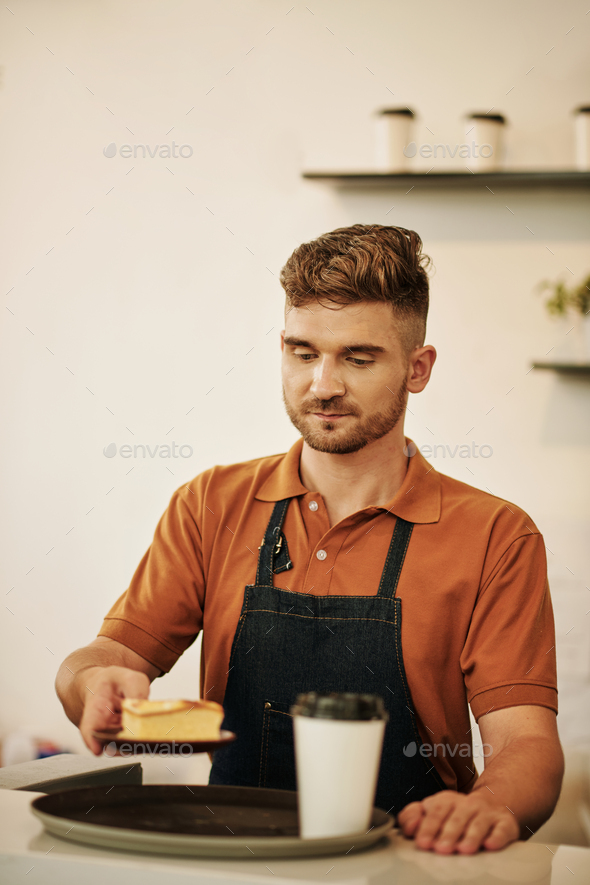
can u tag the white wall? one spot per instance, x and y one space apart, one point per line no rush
151 298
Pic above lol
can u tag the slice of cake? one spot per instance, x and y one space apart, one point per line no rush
170 720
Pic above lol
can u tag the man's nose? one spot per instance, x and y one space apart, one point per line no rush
327 381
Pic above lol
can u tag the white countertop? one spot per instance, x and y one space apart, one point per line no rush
30 855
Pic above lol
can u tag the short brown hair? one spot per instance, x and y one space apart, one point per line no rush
365 262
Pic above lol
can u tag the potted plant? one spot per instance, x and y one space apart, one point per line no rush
573 305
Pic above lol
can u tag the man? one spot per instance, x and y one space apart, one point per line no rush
297 568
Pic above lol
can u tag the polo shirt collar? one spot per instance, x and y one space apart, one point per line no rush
418 499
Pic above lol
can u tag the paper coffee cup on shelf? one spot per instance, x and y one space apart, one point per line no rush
338 745
582 138
485 137
393 132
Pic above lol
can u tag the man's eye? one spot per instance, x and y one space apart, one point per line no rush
304 356
358 362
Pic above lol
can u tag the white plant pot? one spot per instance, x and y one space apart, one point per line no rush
392 136
486 138
572 340
582 138
583 338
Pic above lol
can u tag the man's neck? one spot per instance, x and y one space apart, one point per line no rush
348 483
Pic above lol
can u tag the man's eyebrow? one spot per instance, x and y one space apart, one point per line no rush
364 348
348 348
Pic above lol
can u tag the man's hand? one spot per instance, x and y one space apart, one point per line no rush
511 799
102 689
449 821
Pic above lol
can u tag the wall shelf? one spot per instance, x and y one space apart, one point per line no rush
568 368
517 178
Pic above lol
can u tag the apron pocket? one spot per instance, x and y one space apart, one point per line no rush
277 752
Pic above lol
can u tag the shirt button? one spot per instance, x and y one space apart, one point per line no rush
313 505
321 554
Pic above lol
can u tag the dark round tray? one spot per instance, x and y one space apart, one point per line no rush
214 821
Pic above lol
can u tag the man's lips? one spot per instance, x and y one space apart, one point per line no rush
330 415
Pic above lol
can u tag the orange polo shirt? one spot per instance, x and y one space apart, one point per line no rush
477 621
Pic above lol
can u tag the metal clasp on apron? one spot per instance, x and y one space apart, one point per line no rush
278 545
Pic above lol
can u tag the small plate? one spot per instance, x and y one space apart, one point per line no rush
132 746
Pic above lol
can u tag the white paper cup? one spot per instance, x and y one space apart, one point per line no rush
486 140
337 764
393 130
582 132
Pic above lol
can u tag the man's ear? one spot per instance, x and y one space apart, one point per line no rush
420 368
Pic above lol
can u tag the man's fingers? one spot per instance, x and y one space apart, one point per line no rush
94 720
102 709
409 818
101 713
447 822
93 745
504 832
131 684
475 833
431 823
453 829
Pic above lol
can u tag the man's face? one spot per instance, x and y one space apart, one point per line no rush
344 374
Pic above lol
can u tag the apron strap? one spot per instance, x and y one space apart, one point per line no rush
270 548
271 544
395 558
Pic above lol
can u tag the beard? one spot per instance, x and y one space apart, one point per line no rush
333 439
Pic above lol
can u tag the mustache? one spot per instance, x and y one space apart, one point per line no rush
327 406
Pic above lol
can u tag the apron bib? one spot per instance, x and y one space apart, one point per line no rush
287 643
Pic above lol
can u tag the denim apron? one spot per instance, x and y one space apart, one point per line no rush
290 642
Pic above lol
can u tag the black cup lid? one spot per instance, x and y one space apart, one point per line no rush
406 112
497 118
339 705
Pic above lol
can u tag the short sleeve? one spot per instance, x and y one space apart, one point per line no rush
161 613
509 655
